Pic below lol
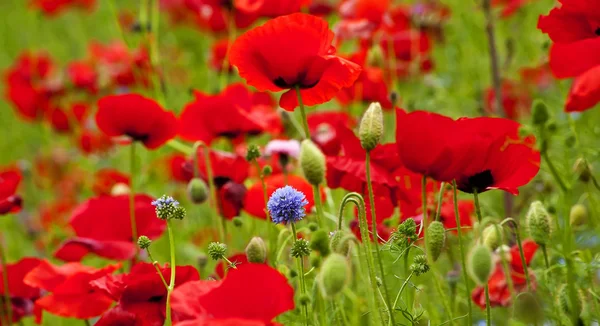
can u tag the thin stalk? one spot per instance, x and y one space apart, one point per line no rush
402 289
546 261
303 113
301 274
521 253
462 253
143 16
272 244
213 194
132 220
554 171
477 207
496 80
155 264
488 312
376 237
438 210
7 300
318 204
168 321
423 203
443 295
87 322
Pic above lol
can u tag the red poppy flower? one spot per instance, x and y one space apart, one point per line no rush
83 75
585 91
218 54
22 295
515 100
226 114
59 120
252 291
411 48
361 18
293 51
215 15
94 142
102 226
176 167
539 76
509 7
122 66
237 259
369 87
497 157
254 202
141 293
498 287
137 117
10 179
71 294
271 8
106 179
322 126
466 209
54 7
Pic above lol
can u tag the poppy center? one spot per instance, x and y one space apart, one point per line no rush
282 83
156 298
481 180
597 31
137 136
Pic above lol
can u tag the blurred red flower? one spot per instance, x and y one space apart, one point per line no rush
137 117
585 91
516 101
293 51
498 287
371 86
322 126
361 18
140 294
105 179
102 226
218 53
22 296
83 75
266 295
10 178
70 293
55 7
509 7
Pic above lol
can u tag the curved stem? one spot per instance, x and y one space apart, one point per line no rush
301 273
462 253
303 113
155 264
521 253
132 220
168 321
376 236
488 312
7 300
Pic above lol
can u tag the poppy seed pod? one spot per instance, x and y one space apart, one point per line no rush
335 274
256 251
436 238
578 215
312 161
540 113
371 127
197 191
479 264
492 236
320 242
539 223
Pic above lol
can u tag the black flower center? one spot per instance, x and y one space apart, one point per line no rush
597 31
481 180
138 136
156 298
282 83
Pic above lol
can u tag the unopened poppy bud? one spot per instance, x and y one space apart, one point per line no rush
315 260
527 309
197 191
267 170
120 189
578 215
436 238
583 170
256 251
253 153
492 236
539 115
375 57
343 247
217 250
552 127
335 274
479 264
539 223
144 242
304 299
312 226
320 242
336 238
312 161
566 305
237 222
300 248
293 273
371 127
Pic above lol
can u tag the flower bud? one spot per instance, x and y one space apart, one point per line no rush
320 242
217 250
371 127
300 248
583 170
335 274
539 115
253 153
578 215
293 273
492 236
237 222
315 260
479 264
528 309
120 189
144 242
436 238
197 191
312 161
304 299
256 251
202 261
312 226
538 222
267 171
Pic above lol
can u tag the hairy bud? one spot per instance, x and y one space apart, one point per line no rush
197 191
492 236
578 215
480 264
419 265
312 161
583 170
300 248
256 251
217 250
335 274
539 223
436 238
371 127
320 242
539 115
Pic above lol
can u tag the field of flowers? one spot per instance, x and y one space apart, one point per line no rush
299 162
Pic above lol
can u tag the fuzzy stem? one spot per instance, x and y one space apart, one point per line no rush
488 312
546 261
132 172
7 300
522 254
168 321
318 205
303 113
301 273
462 253
376 237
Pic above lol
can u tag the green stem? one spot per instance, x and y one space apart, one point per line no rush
213 194
301 273
168 321
438 210
86 322
522 254
443 295
303 113
546 261
376 236
402 289
462 253
554 171
7 300
132 172
143 16
272 244
477 206
423 203
155 264
318 204
488 312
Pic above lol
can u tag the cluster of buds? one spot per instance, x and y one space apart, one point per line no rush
168 208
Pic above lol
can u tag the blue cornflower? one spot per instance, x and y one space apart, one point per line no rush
167 208
165 201
287 205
